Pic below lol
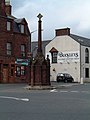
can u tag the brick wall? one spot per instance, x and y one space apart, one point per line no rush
64 31
16 38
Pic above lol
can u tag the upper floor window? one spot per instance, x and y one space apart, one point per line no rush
54 53
86 55
9 48
8 26
54 57
23 50
22 28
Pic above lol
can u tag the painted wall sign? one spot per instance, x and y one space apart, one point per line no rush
71 56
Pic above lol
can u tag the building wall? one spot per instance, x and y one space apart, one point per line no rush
65 44
8 63
83 64
76 68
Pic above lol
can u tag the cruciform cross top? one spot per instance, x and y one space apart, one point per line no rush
40 16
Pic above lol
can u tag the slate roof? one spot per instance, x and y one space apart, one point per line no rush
18 20
82 40
34 46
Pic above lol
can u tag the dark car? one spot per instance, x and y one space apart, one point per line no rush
64 77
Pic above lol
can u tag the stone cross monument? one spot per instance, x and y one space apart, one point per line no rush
40 67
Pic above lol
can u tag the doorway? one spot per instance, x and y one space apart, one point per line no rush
5 74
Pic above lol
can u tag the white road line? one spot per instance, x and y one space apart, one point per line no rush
15 98
63 91
54 90
74 91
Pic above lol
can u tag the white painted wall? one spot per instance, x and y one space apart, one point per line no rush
83 64
76 69
64 44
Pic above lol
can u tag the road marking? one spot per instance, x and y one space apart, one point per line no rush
64 91
15 98
74 91
54 90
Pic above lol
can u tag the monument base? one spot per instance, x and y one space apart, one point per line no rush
39 87
40 71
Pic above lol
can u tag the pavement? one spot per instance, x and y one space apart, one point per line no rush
54 85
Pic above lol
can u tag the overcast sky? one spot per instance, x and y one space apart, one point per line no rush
57 14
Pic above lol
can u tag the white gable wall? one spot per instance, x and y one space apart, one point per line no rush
64 44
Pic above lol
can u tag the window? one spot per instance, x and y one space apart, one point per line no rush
87 72
86 55
22 28
8 26
23 70
54 53
18 71
23 50
54 57
9 48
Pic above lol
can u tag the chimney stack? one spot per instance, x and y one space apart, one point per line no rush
61 32
8 7
2 7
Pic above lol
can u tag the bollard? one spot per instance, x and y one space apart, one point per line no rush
81 82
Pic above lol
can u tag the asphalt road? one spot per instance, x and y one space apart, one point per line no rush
66 103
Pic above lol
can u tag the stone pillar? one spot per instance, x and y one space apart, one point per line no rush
40 67
39 33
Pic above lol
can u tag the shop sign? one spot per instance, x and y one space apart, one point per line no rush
22 61
72 56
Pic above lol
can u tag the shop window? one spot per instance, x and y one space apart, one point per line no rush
87 72
18 71
54 57
9 48
86 55
23 50
23 69
8 26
